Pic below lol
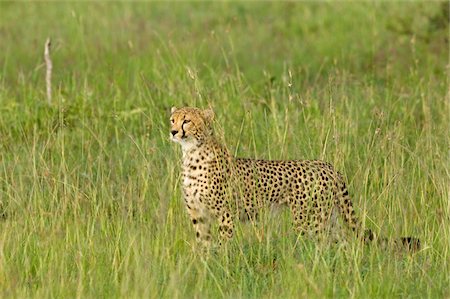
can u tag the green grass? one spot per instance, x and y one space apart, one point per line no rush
90 203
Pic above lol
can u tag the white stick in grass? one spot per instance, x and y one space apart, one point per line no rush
49 67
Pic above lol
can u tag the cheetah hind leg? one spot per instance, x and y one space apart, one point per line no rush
345 207
335 230
298 213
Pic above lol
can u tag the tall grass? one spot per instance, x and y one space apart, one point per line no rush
90 204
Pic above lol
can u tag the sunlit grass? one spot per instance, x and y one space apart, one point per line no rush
90 202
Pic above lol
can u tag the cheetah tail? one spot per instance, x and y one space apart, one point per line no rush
410 243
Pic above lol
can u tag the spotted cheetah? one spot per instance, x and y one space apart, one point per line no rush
219 186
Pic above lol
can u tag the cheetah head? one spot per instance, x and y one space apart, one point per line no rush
188 125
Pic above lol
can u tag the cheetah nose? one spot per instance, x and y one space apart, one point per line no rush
174 132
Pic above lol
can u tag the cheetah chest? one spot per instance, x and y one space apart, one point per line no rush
203 178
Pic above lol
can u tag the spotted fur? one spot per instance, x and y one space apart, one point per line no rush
218 186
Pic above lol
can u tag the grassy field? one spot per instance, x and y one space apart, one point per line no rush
90 203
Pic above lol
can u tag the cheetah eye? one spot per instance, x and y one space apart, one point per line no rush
186 121
172 121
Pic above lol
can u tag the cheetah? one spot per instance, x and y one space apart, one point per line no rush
218 186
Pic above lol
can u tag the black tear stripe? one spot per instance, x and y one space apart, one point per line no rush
184 132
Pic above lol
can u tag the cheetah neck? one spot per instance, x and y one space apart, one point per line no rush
209 148
188 146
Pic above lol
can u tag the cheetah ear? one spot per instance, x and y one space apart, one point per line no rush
208 114
173 109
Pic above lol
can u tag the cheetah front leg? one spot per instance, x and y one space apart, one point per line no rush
223 214
226 226
202 226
